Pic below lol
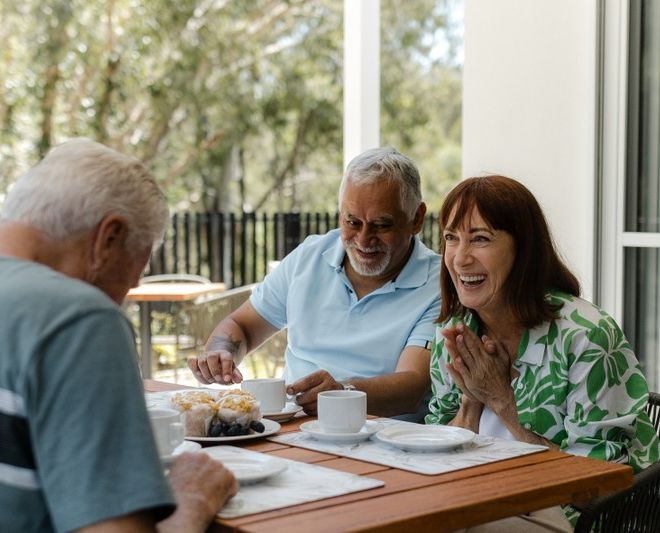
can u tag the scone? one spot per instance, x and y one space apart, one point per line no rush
198 408
237 412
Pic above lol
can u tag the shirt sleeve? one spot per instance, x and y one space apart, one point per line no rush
445 400
607 395
424 329
270 297
95 453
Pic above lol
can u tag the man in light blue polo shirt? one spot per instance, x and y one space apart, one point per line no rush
359 302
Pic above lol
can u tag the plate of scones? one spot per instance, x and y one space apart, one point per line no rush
218 416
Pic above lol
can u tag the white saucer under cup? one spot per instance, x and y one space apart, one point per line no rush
270 392
342 411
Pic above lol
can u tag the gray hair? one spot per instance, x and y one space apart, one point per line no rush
79 183
386 164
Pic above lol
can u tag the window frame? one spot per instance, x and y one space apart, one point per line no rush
617 66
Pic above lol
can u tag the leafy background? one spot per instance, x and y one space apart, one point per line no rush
233 104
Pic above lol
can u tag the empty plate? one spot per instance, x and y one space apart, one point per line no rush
424 438
314 429
185 446
248 467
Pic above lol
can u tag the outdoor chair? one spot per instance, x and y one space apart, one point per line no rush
174 278
653 410
172 317
634 510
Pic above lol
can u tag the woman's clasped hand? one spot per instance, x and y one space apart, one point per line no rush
481 367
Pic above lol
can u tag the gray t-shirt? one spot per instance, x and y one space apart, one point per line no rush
75 442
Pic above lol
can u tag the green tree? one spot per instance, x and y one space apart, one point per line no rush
233 104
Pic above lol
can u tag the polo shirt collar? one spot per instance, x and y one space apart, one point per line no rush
334 254
414 273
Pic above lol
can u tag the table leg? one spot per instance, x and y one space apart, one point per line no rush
145 339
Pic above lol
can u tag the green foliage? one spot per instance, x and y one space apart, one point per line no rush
232 104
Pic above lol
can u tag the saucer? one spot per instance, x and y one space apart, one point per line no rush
286 414
431 438
185 446
315 431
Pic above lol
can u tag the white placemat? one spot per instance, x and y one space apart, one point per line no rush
481 450
299 483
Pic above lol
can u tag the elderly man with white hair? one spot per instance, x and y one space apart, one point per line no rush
76 449
359 302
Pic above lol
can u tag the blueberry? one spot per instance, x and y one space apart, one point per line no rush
216 430
235 430
257 426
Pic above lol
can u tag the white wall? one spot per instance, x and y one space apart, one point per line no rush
529 108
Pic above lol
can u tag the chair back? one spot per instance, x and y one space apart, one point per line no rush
653 410
634 510
175 278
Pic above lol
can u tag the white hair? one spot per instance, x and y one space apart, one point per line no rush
383 164
79 183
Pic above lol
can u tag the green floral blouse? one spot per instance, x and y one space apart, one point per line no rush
580 385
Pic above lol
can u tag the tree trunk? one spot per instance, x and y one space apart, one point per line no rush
47 104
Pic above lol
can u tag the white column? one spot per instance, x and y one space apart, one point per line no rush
361 76
529 110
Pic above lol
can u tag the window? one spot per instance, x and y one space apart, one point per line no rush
629 237
641 268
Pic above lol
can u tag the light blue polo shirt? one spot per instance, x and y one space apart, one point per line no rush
329 328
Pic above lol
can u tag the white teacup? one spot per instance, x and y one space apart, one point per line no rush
168 429
270 392
342 411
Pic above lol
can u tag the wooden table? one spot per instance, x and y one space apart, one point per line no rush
443 502
147 293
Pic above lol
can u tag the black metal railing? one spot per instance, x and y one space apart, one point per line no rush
237 248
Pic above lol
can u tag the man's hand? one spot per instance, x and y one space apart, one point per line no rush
216 364
308 387
201 486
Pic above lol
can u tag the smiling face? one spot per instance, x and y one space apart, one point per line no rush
479 260
375 231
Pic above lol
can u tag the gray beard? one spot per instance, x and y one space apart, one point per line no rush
369 270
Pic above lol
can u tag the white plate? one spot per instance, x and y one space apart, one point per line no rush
185 446
290 409
250 468
424 438
270 427
314 429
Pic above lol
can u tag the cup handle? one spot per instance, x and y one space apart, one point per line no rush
176 434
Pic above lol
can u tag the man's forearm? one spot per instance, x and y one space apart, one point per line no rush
228 336
393 394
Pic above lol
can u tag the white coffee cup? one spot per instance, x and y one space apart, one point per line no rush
168 429
270 392
342 411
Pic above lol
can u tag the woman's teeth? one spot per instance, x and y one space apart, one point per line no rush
472 280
